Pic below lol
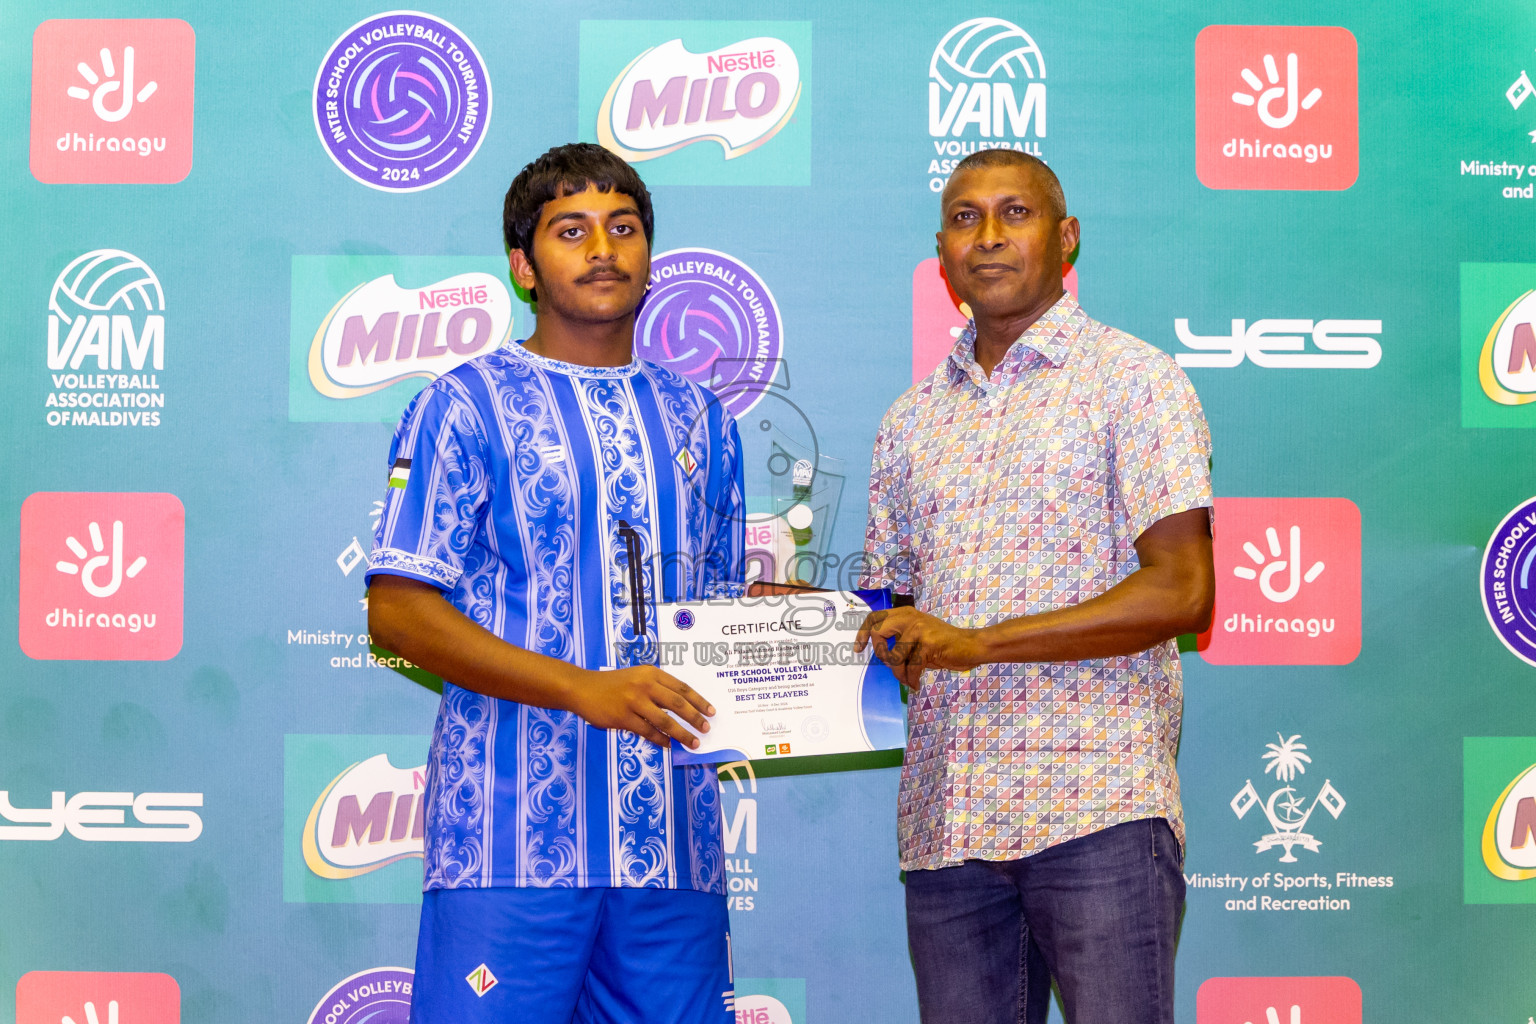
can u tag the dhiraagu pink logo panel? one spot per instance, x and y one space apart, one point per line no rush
101 576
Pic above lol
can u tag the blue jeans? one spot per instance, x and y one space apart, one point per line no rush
1099 914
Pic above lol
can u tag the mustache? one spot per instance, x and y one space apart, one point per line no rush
595 272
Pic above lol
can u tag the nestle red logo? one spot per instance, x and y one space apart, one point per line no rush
444 298
48 997
748 60
1276 107
1278 1001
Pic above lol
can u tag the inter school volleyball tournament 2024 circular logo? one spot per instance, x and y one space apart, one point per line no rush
708 317
402 101
1509 581
378 996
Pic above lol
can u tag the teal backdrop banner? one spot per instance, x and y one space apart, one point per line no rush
241 237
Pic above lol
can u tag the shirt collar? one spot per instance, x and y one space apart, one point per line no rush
1052 336
576 369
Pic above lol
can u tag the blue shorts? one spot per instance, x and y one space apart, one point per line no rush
558 956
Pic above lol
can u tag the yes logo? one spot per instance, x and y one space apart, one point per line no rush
101 576
938 315
97 997
101 817
1282 344
1278 1001
1276 107
1287 582
725 103
112 101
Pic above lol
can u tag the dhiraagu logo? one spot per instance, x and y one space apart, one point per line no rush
700 102
1498 344
369 332
354 813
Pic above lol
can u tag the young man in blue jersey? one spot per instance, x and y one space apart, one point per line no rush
572 872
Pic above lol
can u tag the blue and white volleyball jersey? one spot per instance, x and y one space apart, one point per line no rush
516 483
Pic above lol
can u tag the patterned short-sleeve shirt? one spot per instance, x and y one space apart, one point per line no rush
518 486
1014 495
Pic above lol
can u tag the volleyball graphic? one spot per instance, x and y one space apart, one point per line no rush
402 101
105 280
710 318
983 48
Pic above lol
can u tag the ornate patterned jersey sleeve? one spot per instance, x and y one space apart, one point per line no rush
437 490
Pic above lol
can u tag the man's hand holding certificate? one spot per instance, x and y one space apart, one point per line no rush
783 675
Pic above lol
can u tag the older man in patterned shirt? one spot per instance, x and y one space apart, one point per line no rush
1044 498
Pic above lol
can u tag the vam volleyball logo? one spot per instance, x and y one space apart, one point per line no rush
710 318
712 102
365 329
106 343
739 823
1276 107
1509 582
401 101
112 101
101 576
986 90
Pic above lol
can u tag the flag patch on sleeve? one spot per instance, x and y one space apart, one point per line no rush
401 473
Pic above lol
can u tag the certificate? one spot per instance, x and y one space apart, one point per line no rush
782 675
